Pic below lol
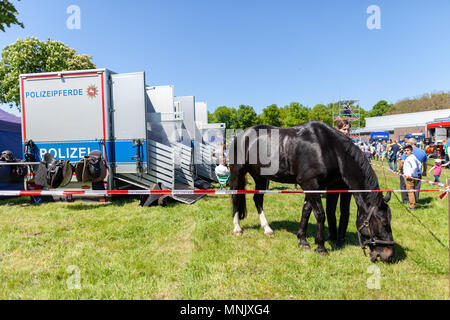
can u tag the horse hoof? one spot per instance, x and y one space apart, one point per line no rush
340 243
238 233
269 234
322 252
304 246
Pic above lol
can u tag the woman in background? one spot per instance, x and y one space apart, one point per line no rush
343 126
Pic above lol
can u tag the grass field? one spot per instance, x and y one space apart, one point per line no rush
124 251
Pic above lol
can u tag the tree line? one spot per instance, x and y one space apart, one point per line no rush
426 102
290 115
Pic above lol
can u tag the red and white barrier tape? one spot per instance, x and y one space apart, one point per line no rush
442 185
439 184
18 163
98 193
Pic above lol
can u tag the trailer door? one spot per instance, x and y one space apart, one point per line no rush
128 114
64 113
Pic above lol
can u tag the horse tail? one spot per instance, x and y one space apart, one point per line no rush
237 180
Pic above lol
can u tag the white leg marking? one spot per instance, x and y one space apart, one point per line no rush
265 224
237 227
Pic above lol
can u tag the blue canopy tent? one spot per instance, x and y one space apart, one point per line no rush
10 139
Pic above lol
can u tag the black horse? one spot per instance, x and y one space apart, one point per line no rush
314 156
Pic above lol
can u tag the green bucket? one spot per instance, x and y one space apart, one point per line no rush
223 179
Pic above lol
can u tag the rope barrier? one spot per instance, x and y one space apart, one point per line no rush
15 193
442 185
99 193
439 184
18 163
410 212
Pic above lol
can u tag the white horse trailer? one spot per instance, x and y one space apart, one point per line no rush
209 138
136 127
166 127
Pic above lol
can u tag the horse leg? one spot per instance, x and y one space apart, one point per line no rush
237 227
301 234
319 213
262 184
237 182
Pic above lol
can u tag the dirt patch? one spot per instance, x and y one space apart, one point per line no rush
34 234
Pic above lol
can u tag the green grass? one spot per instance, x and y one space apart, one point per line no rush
124 251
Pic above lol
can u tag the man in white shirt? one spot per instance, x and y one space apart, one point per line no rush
412 168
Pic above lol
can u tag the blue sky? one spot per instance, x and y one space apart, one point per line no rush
259 52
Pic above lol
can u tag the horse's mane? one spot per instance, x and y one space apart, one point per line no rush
368 174
371 179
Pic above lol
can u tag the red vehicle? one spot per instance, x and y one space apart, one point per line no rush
438 132
435 151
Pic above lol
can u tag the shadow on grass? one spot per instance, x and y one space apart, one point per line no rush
15 201
400 253
292 227
351 237
290 187
426 200
84 204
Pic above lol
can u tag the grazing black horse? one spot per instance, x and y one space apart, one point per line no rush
314 156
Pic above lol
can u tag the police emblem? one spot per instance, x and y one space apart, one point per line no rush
92 91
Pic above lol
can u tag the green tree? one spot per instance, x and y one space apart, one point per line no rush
363 114
225 115
294 114
270 116
323 113
245 117
380 109
31 55
210 117
8 15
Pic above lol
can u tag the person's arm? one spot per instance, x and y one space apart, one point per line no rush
400 167
431 169
446 164
222 154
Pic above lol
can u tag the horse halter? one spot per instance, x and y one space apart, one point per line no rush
371 239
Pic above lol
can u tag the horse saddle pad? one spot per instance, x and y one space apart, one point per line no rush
11 174
53 173
91 168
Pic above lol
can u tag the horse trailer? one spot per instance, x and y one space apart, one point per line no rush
145 134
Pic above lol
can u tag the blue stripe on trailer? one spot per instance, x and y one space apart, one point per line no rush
119 151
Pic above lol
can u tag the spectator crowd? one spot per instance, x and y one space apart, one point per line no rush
407 158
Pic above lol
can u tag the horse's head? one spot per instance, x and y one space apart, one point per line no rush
374 229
